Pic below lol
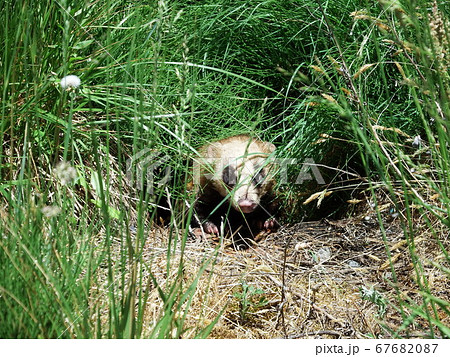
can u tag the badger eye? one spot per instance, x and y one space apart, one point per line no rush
258 178
229 176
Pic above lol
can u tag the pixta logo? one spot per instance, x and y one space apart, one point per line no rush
148 170
308 167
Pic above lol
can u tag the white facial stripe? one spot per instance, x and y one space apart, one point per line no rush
244 187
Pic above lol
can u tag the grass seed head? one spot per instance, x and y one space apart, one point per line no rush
65 173
70 81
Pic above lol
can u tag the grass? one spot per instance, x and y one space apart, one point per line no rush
349 84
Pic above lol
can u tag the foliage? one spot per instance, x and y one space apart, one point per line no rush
250 300
361 87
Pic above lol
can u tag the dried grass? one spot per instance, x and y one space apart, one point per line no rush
311 275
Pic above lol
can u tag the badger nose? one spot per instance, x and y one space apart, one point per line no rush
247 206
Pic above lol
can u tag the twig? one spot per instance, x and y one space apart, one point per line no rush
316 333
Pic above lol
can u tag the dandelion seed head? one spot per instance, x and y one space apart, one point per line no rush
50 211
70 81
65 173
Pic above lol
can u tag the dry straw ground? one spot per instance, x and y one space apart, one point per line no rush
306 280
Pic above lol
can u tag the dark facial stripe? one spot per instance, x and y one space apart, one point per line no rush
259 176
229 176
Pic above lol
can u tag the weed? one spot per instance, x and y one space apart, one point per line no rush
250 300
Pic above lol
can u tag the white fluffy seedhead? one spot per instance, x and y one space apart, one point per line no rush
70 81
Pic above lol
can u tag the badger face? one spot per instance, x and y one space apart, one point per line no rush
244 183
238 168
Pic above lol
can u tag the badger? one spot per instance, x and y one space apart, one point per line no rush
234 180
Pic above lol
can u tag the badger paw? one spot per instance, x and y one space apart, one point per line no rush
267 225
210 228
271 224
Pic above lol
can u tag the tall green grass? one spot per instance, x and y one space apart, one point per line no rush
167 77
74 235
401 129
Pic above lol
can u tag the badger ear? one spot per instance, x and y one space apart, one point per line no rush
213 150
269 147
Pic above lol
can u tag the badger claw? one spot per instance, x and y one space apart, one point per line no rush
270 223
210 228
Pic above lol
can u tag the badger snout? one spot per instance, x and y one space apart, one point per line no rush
247 206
